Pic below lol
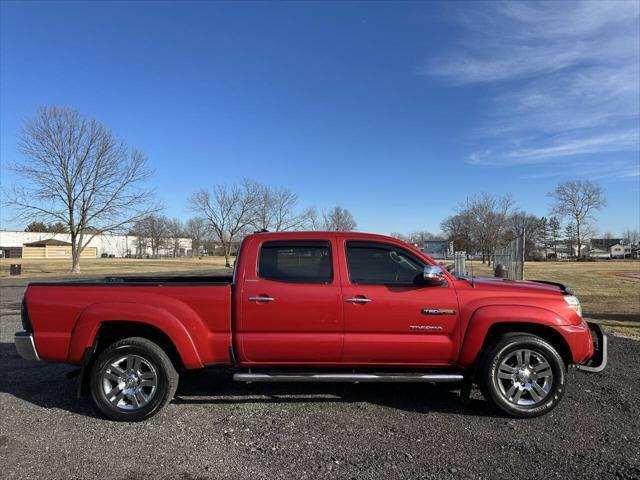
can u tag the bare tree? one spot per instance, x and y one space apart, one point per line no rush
152 232
313 220
141 241
399 236
458 229
339 220
420 237
544 236
554 232
490 221
228 210
534 228
196 230
75 172
157 232
175 232
570 237
631 237
578 200
275 210
480 224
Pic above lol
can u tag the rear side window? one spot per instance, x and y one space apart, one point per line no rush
296 262
372 263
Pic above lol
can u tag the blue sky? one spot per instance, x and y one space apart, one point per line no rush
396 111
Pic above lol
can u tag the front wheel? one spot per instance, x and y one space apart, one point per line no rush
522 375
132 380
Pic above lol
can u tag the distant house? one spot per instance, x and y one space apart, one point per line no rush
601 247
604 243
620 251
599 253
52 248
439 249
558 252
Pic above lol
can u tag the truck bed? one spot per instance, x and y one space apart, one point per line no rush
147 280
194 311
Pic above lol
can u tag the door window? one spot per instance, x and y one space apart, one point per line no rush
296 262
373 263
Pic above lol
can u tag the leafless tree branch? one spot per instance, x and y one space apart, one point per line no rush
74 171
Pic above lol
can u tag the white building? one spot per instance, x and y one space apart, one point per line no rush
599 253
11 243
620 251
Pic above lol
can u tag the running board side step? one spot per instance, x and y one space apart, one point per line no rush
347 377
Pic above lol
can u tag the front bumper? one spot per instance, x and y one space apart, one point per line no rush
25 346
598 360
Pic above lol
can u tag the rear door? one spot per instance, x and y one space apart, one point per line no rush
390 317
290 309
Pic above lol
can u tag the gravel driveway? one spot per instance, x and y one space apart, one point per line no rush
216 428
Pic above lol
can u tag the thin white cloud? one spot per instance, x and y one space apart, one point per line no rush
618 170
506 40
611 142
570 73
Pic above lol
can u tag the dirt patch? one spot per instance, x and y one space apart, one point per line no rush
632 275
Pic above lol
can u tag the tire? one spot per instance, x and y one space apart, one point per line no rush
522 375
132 379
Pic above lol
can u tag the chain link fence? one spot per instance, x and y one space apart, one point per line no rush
509 260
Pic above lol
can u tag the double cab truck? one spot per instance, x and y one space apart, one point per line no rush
314 307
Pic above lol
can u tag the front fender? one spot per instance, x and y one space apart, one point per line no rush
92 317
485 317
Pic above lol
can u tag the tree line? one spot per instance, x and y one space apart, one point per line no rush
232 211
227 213
79 179
485 222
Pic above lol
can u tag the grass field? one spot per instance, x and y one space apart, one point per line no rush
609 291
110 266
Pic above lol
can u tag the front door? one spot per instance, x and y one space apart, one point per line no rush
390 317
291 310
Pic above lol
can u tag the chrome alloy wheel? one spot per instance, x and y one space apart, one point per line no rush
525 377
129 382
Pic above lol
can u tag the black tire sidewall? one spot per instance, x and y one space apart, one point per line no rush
154 356
504 348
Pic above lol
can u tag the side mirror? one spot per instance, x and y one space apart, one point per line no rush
433 275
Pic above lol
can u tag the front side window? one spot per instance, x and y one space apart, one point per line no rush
296 262
372 263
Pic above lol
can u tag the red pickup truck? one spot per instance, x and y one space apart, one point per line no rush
314 307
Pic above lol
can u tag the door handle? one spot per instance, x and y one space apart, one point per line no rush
261 299
358 300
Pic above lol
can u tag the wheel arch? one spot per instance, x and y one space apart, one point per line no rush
490 322
545 332
110 332
147 321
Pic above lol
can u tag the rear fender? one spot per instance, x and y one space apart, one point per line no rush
485 317
89 323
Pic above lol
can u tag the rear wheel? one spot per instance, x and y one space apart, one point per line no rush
132 380
522 375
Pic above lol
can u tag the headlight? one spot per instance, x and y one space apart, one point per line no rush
574 304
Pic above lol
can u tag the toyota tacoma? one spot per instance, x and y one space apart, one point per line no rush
314 307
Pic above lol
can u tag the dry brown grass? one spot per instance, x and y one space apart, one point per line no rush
609 291
110 266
